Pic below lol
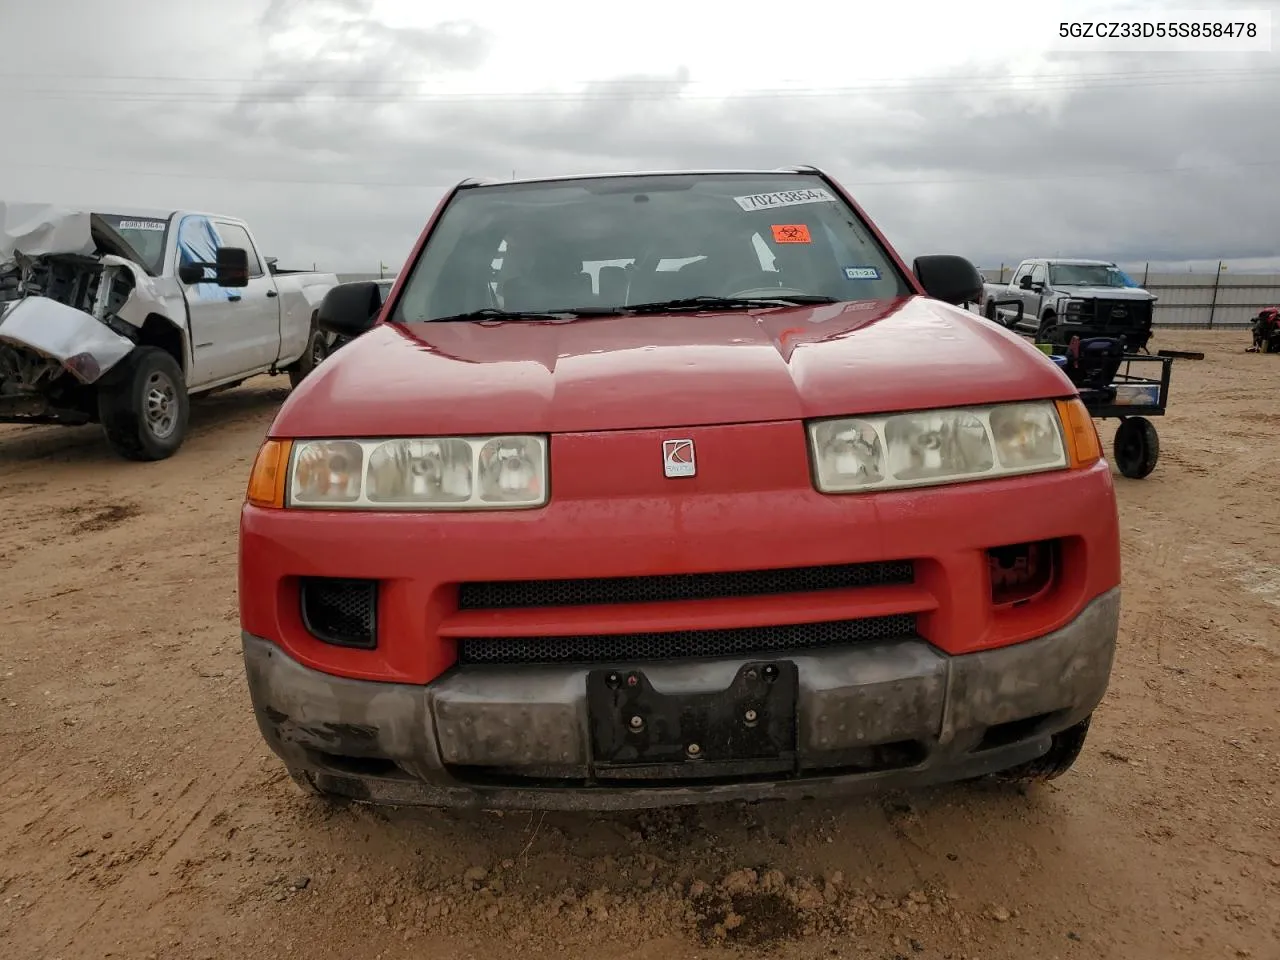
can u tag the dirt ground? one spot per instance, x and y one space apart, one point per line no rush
142 816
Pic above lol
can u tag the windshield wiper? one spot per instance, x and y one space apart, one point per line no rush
727 303
493 313
705 302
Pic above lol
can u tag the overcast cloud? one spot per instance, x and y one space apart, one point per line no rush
334 126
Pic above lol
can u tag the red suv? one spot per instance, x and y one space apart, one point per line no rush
652 489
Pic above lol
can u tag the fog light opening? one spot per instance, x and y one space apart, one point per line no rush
1021 572
340 612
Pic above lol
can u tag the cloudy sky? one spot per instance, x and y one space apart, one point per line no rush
334 126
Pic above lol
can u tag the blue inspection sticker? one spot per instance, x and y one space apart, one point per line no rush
861 273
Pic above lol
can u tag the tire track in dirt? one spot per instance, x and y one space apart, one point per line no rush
101 595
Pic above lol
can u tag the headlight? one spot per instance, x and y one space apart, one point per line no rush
936 446
1074 306
429 473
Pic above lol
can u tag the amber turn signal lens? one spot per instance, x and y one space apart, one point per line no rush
270 467
1083 446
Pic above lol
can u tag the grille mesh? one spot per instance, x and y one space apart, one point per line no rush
625 647
342 612
507 594
1130 313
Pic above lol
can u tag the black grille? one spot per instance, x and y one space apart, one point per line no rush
505 594
673 645
1114 315
342 612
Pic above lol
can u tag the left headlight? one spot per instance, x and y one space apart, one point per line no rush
936 446
425 474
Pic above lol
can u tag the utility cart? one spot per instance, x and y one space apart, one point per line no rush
1111 388
1131 398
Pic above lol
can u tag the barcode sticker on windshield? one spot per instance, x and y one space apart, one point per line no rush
861 273
157 225
783 198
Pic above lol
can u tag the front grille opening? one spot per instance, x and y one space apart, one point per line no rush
682 644
339 611
1021 572
664 588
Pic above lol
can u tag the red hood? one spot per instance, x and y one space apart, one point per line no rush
644 372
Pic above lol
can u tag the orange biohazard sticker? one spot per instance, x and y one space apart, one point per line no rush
791 233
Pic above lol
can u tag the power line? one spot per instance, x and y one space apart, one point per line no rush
599 97
1112 174
637 81
650 92
612 94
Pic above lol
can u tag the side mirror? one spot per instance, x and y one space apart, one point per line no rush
1025 282
949 278
349 309
232 267
191 273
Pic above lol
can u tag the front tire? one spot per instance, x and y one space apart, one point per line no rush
1062 754
1048 328
144 406
306 782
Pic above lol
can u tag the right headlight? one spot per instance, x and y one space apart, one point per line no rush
932 447
418 473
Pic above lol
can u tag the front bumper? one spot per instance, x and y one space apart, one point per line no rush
84 347
1134 335
946 717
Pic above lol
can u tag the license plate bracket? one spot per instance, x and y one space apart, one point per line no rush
640 732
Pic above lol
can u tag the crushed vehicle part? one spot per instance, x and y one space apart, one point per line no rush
39 229
80 344
74 298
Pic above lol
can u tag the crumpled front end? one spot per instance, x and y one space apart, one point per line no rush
78 343
70 311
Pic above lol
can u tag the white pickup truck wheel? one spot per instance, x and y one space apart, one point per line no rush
317 350
144 408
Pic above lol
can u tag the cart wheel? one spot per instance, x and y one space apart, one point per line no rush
1137 447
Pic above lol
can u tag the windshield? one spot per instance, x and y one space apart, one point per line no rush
605 244
145 234
1086 275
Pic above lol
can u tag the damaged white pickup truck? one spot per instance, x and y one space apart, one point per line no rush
119 318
